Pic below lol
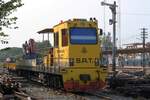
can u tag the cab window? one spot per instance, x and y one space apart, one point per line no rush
83 35
64 37
56 43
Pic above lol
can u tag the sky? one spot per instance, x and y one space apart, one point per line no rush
36 15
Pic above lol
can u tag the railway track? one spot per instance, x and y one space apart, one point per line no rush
75 96
22 96
58 94
103 96
27 96
100 95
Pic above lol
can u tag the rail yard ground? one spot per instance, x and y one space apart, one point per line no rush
33 91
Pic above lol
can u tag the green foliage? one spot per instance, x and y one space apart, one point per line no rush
43 45
10 52
43 48
7 7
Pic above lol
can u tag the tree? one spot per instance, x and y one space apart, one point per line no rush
7 7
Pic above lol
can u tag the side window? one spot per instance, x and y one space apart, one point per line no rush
56 39
64 37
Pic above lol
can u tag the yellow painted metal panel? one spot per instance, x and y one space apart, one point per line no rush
95 74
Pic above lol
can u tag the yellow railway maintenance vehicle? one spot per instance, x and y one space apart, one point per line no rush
73 62
10 65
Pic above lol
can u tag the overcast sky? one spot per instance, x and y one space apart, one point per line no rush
39 14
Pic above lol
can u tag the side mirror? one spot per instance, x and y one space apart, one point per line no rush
101 32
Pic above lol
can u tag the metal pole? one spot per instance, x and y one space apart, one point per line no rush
48 39
113 10
104 18
43 37
143 42
114 36
143 47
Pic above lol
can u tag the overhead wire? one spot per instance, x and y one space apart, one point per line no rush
130 37
135 14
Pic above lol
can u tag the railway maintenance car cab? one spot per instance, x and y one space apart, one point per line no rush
76 55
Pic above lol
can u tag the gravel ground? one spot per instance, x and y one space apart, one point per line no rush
43 93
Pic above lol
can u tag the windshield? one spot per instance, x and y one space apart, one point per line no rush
83 36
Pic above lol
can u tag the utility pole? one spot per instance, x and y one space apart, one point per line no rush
143 36
119 22
113 22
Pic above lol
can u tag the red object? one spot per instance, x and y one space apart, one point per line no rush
61 21
32 46
75 86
